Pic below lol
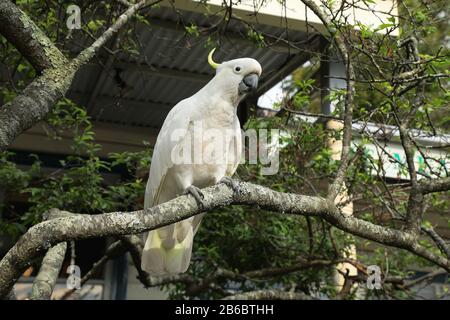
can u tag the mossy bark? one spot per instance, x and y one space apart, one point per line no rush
28 38
56 71
34 103
48 273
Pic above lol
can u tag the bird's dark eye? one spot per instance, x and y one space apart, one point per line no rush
237 69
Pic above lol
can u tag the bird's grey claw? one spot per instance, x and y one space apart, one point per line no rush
231 183
197 194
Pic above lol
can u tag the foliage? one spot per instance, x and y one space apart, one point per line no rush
78 185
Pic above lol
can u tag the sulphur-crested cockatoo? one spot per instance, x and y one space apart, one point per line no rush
199 145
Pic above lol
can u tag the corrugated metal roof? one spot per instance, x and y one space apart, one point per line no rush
172 66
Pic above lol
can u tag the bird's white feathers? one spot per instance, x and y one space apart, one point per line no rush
168 249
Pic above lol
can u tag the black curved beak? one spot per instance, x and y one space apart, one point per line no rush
249 83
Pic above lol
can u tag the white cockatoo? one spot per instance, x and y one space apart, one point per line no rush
198 146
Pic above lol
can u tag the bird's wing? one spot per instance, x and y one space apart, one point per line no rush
177 119
233 159
168 250
235 150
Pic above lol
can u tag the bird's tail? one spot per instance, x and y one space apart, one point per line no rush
168 250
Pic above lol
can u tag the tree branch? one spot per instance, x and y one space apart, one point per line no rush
269 295
134 247
89 52
28 38
194 287
339 40
440 242
34 103
301 265
416 200
48 233
37 99
434 185
48 273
